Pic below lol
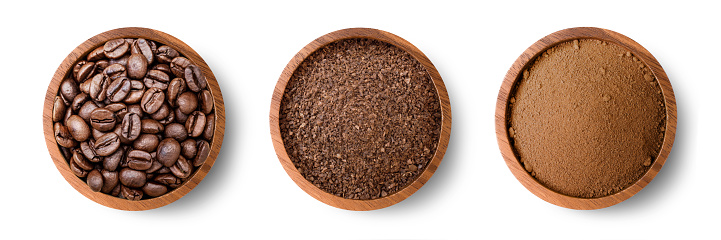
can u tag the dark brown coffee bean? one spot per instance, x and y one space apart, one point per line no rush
166 54
119 131
155 166
79 100
81 161
203 152
117 108
153 189
77 170
168 180
132 178
97 54
112 162
178 65
163 170
63 136
162 113
115 71
102 119
144 47
85 86
130 126
95 180
163 68
180 117
156 79
67 153
137 66
88 150
209 127
182 168
116 48
175 88
118 89
130 193
76 69
168 152
98 87
58 109
152 100
68 90
100 65
169 119
195 124
78 128
137 89
110 180
195 79
122 60
135 108
187 102
188 148
151 126
146 142
87 108
139 160
205 100
107 144
85 71
176 131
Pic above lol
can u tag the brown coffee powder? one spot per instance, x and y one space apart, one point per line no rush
360 118
587 118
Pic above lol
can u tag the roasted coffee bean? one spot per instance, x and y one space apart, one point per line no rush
110 180
78 128
102 119
85 71
85 86
182 168
205 100
145 48
100 65
176 131
180 117
163 170
166 54
162 113
209 127
77 170
118 89
153 189
156 79
169 119
63 136
139 160
116 48
117 108
203 152
146 142
107 144
168 152
132 178
79 100
178 65
195 124
116 191
68 90
76 69
175 88
115 71
155 166
87 108
130 193
130 126
97 54
137 66
68 113
119 131
97 134
98 87
135 108
168 180
67 153
81 161
187 102
152 100
188 148
151 126
112 162
122 60
88 150
137 89
95 180
58 109
195 79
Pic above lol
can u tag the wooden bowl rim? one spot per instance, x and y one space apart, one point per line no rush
525 60
330 199
79 53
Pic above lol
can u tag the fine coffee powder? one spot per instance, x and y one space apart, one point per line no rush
587 118
134 119
360 118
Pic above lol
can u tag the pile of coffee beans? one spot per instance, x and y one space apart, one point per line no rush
134 119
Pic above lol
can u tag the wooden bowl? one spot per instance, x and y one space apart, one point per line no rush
525 60
307 186
67 65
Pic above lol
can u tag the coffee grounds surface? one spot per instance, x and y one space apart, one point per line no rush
360 118
587 118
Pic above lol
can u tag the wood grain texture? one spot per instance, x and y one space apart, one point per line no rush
524 61
330 199
62 72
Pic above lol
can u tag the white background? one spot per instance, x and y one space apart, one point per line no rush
472 195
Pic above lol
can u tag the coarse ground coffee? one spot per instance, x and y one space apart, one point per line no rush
360 118
587 118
